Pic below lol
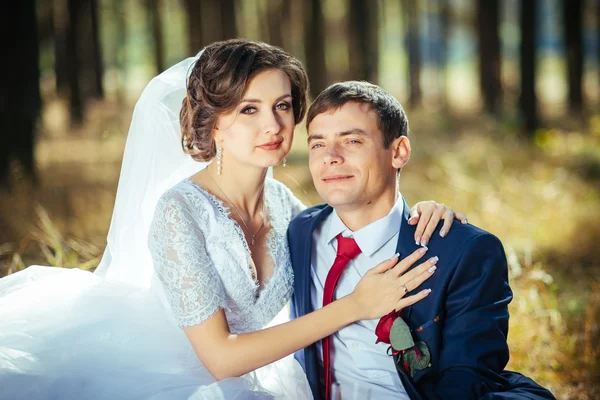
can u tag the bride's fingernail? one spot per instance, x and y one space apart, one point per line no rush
418 241
432 269
443 233
426 291
423 250
395 255
434 260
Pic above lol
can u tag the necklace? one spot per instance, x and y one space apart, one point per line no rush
252 236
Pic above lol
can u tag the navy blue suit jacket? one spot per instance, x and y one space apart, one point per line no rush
464 320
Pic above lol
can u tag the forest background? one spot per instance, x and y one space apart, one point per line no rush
503 98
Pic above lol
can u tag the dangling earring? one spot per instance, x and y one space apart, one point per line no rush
219 155
284 162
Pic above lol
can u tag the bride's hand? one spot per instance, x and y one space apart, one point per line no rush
428 214
384 287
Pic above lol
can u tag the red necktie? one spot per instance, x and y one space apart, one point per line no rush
347 249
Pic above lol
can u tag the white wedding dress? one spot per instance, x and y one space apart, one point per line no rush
173 257
71 334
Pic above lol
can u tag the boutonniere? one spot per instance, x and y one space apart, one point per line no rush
412 356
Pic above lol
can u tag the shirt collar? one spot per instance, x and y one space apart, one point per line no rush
372 237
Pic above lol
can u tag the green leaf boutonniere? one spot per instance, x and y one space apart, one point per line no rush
412 356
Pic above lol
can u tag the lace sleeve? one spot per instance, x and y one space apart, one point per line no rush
192 284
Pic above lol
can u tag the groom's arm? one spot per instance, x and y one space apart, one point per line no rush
474 350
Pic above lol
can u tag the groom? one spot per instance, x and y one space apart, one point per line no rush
357 139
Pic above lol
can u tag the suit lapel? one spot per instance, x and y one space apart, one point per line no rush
406 246
312 224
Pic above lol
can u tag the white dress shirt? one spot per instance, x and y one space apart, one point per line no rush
360 367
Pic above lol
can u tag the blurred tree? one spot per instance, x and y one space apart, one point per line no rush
78 56
276 18
193 12
73 63
228 19
19 87
445 21
94 66
154 8
210 21
528 99
119 38
314 46
60 23
573 24
489 53
414 51
363 34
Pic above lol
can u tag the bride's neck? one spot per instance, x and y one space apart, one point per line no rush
244 191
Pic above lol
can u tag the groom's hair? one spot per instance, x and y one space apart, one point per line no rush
391 118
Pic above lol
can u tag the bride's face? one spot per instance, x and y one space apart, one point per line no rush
260 130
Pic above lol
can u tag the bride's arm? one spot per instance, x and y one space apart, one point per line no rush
228 355
198 298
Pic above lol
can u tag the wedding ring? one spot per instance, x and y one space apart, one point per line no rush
405 289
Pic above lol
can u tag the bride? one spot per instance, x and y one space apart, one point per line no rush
189 300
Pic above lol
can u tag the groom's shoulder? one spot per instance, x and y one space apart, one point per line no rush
464 236
307 216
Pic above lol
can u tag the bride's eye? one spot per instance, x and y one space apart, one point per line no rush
283 106
248 110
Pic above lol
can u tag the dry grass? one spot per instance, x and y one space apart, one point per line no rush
541 199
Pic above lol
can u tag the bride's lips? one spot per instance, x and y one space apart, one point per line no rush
336 178
270 145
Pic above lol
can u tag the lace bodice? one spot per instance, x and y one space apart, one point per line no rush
201 256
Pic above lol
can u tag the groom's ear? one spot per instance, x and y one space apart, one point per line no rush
400 152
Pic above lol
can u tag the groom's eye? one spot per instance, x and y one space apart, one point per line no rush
316 146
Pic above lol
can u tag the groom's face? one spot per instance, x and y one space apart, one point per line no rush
348 162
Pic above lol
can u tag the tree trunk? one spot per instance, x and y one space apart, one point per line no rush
445 21
119 38
363 31
212 21
274 14
228 19
314 43
193 11
528 100
489 53
74 64
60 26
414 52
154 8
572 12
98 68
19 88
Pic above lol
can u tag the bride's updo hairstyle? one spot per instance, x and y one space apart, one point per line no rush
218 82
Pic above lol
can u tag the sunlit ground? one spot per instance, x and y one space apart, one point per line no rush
541 199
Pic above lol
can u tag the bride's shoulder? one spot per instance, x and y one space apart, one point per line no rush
183 197
286 197
277 188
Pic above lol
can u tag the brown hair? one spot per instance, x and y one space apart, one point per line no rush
391 118
218 81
